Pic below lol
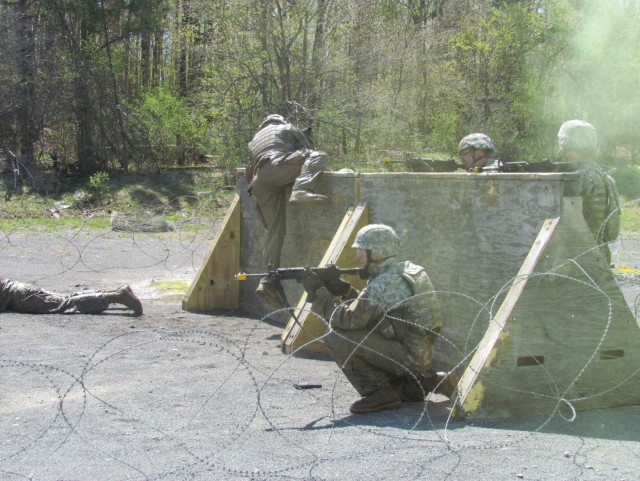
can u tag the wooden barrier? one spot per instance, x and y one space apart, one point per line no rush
563 339
214 285
475 234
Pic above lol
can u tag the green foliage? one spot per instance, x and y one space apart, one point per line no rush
607 38
98 180
98 183
630 218
627 178
146 84
168 130
177 194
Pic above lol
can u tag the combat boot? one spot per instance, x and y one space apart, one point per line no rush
444 383
383 398
124 295
448 384
302 195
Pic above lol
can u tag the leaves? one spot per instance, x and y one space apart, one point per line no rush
148 83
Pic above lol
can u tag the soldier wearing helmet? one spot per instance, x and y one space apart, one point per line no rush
282 161
383 336
477 153
578 143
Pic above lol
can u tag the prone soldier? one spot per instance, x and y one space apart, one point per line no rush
20 297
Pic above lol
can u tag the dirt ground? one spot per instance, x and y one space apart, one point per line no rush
174 395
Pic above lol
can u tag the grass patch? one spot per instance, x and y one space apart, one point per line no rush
630 217
171 286
175 195
50 224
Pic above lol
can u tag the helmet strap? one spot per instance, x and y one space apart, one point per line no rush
370 261
367 264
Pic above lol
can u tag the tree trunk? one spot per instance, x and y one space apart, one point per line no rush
27 131
317 56
184 13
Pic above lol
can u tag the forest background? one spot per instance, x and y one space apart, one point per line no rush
138 86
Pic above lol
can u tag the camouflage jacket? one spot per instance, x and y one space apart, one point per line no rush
399 303
600 202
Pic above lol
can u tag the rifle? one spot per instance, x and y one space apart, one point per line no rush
312 278
423 164
540 166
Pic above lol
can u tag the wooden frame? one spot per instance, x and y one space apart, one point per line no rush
304 327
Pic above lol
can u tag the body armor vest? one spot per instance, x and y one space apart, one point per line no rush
276 138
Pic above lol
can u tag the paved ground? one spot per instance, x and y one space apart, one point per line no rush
181 396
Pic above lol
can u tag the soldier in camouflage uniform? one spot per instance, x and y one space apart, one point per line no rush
281 157
21 297
382 337
477 153
578 143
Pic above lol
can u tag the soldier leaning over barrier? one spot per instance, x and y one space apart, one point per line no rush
383 337
21 297
477 153
281 156
578 143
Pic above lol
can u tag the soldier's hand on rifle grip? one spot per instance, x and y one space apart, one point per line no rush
311 284
336 286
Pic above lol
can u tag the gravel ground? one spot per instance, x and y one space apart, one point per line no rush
182 396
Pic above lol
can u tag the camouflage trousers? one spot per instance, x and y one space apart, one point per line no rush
270 186
371 361
21 297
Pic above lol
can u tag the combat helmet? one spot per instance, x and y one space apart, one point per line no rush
577 135
380 239
478 141
273 118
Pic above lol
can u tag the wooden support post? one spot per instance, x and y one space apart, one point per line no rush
306 327
564 338
214 285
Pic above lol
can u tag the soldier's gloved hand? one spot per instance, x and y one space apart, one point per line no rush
311 284
336 286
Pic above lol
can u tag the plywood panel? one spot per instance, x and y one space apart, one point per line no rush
214 285
471 232
564 339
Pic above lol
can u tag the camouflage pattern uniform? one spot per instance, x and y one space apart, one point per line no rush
600 199
600 205
385 336
21 297
281 156
480 141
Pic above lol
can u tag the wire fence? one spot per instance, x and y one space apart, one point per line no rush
177 395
